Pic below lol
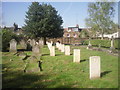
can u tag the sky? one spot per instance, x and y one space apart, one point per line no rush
72 13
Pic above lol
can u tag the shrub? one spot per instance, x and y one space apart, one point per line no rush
6 35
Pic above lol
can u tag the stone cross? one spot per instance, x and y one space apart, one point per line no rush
76 55
94 62
67 50
89 45
52 51
13 45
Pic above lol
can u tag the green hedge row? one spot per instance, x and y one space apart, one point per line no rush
103 43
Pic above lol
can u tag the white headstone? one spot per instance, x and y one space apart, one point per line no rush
67 50
76 55
62 48
13 45
94 62
52 51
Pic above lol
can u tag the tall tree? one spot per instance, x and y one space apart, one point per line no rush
42 20
100 16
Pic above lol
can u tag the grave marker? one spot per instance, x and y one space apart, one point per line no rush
13 45
76 55
94 62
67 50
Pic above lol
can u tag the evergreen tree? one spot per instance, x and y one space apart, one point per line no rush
43 20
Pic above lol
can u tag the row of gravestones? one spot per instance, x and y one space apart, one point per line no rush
30 44
36 52
112 45
94 61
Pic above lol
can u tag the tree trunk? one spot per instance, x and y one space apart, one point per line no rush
44 40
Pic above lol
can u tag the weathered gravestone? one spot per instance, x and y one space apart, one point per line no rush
13 45
76 55
52 51
67 50
23 44
94 62
36 50
41 42
33 42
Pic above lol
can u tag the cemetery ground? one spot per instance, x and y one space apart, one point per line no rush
60 71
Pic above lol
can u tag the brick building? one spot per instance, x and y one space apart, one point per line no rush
72 32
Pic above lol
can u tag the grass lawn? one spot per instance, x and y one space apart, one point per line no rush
59 71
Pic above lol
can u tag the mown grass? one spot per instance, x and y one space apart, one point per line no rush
59 71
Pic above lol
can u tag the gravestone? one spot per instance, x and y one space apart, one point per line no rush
59 48
67 50
94 62
29 47
112 43
76 55
49 45
23 44
57 44
62 48
41 43
13 45
52 51
89 45
36 50
32 42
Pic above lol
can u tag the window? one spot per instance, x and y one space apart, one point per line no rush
74 35
68 35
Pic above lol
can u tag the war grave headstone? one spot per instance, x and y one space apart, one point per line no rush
94 65
76 55
52 51
67 50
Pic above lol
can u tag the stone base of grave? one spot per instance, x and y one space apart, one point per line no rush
33 68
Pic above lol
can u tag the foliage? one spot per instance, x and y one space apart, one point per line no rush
43 20
7 35
103 43
84 34
100 17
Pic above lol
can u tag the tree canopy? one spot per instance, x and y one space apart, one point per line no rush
43 20
101 16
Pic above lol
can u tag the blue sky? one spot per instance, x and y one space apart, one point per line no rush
72 12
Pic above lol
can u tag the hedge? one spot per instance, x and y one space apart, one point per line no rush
103 43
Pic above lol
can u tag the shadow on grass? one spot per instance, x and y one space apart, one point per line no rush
104 73
26 57
83 60
22 80
23 50
58 54
45 54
